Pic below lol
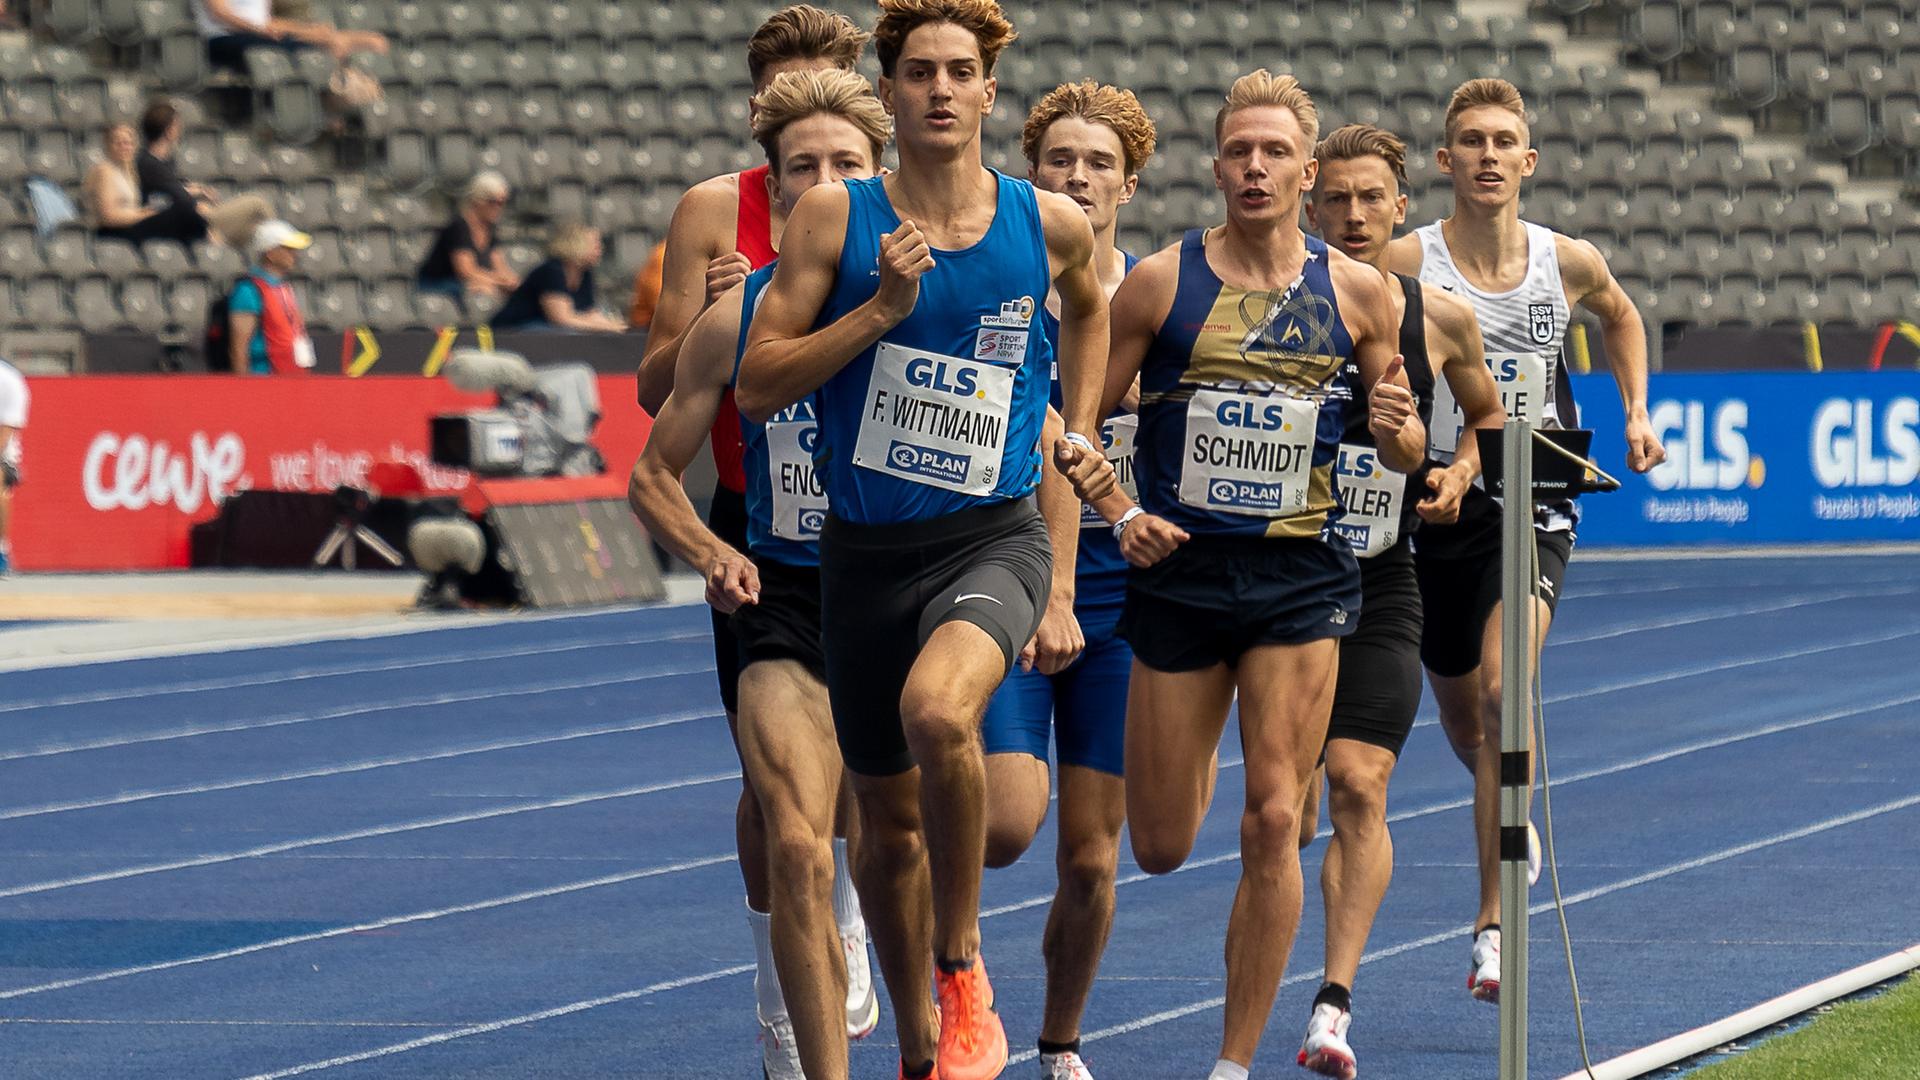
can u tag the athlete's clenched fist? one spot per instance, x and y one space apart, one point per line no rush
1390 406
904 256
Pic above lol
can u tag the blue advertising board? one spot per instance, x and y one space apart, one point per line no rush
1759 458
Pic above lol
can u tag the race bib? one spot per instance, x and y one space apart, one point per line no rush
1248 453
1521 379
1371 497
799 495
935 420
1119 434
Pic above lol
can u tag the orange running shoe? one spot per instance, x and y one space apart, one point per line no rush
973 1044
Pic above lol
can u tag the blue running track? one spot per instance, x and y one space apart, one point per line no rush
506 851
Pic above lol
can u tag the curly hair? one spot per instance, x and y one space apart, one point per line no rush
1263 88
1118 109
982 18
796 95
804 32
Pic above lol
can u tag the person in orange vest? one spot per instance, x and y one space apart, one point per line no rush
266 333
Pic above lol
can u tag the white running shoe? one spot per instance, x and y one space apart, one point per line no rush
779 1056
1325 1050
1483 981
1533 855
1067 1066
863 1004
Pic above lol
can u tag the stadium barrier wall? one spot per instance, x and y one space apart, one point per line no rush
118 468
1761 458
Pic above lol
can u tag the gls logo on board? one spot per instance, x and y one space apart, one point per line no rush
1704 453
1852 447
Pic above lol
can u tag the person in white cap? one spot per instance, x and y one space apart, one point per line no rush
266 334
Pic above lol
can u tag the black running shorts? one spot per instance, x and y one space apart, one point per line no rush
1216 597
1378 689
884 590
1458 594
785 624
727 517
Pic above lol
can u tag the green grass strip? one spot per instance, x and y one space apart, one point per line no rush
1875 1037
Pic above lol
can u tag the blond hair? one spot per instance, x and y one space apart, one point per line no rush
982 18
1118 109
1364 140
571 241
1475 93
1263 88
804 32
796 95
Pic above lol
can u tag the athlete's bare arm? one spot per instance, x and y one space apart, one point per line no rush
1367 309
786 359
679 431
1453 339
1084 330
700 265
1403 255
1591 285
1059 640
1137 310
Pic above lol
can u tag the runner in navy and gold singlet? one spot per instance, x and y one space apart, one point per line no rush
1241 335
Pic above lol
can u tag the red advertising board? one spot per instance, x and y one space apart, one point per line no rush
117 468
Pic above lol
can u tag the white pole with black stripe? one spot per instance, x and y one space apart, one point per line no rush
1516 738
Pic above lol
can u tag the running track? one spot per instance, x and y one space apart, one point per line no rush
505 851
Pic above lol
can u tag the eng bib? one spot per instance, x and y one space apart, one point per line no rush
1248 453
799 496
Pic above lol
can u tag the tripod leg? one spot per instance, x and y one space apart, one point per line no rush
380 547
331 546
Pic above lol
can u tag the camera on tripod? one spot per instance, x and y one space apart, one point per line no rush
540 426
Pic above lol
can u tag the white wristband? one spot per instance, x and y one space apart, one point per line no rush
1121 525
1081 441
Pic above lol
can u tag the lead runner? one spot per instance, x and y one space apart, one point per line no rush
908 306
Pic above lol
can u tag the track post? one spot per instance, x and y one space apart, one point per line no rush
1516 738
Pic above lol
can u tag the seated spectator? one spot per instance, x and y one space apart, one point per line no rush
180 208
231 27
464 260
266 333
558 294
647 283
112 189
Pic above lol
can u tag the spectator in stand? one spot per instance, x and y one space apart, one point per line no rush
265 330
464 260
8 20
647 282
181 208
13 420
111 191
558 294
231 27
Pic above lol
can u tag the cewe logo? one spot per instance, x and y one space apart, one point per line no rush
1705 452
1851 449
132 473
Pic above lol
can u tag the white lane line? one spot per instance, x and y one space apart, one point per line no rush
126 797
1783 604
501 1025
377 924
1455 933
291 719
1725 665
1119 1029
239 682
36 887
